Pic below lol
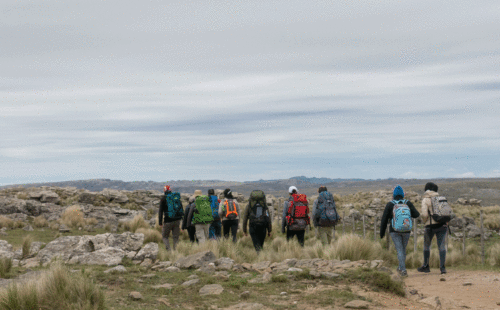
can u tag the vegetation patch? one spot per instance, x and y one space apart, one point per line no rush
377 280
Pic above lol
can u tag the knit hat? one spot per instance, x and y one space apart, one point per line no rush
291 189
166 188
322 189
398 191
197 193
228 193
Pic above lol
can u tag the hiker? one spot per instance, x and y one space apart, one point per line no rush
436 213
188 225
257 213
215 227
295 215
229 212
201 215
399 213
325 216
169 216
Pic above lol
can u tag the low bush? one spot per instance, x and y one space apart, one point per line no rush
5 267
353 247
150 235
55 289
136 223
26 247
73 217
40 221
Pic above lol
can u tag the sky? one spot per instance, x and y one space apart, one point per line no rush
248 90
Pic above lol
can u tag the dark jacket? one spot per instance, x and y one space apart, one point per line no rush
162 213
246 218
186 221
387 217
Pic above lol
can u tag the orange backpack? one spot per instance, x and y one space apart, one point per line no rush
231 211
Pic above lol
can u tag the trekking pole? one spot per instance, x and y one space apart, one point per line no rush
364 232
387 239
463 246
482 237
343 222
375 229
415 235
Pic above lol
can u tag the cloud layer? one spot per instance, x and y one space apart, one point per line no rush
248 90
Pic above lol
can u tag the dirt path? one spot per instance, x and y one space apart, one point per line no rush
483 293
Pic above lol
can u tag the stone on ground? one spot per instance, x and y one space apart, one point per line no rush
190 282
117 269
135 295
211 289
246 306
196 260
167 286
357 304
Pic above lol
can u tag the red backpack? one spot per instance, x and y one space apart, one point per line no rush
298 212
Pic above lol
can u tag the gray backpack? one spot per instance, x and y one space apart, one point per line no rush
441 210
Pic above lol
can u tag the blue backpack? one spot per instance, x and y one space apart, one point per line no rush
401 216
214 204
327 215
174 206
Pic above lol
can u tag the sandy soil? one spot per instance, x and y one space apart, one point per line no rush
483 293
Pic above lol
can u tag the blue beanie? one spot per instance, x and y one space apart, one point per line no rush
398 191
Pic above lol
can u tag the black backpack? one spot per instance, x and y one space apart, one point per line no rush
258 213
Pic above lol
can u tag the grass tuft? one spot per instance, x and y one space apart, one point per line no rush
150 235
377 279
136 223
5 267
27 240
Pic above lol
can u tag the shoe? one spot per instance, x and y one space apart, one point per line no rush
425 269
443 270
403 273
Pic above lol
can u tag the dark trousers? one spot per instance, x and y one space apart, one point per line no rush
230 225
192 233
299 233
441 238
215 230
258 235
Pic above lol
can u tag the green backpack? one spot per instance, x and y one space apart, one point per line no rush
203 213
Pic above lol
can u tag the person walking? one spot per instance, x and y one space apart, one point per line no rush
201 216
229 212
257 214
325 216
215 227
436 223
399 213
295 215
169 216
187 224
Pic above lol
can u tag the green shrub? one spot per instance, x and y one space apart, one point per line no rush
5 267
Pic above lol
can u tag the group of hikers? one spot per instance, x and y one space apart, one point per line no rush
206 217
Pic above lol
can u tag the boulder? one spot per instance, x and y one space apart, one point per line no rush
6 249
117 269
109 256
150 251
190 282
224 263
196 260
49 197
370 213
135 295
87 197
462 201
114 195
211 289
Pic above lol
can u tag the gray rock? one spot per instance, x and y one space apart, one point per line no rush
109 256
135 295
211 289
87 197
114 195
117 269
28 228
246 306
330 275
193 276
64 229
208 269
6 249
357 304
261 265
150 251
293 269
161 265
224 263
196 260
265 278
166 286
245 295
49 197
190 282
172 269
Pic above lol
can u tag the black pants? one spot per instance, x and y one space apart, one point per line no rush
230 225
299 233
258 235
192 233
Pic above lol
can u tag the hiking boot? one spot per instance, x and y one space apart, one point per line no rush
443 270
425 269
403 273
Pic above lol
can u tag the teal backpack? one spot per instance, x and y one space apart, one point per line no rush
401 216
174 206
203 214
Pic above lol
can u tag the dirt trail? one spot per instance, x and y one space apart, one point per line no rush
483 293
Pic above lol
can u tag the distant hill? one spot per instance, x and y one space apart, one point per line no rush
487 190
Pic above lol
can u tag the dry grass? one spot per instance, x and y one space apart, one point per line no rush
355 248
40 221
6 222
5 267
150 235
74 217
55 289
26 247
495 255
136 223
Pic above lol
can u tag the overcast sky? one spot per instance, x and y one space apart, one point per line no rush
247 90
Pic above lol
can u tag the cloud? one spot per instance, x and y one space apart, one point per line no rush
466 175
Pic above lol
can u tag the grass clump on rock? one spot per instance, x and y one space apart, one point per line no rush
150 235
74 217
377 279
136 223
55 289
